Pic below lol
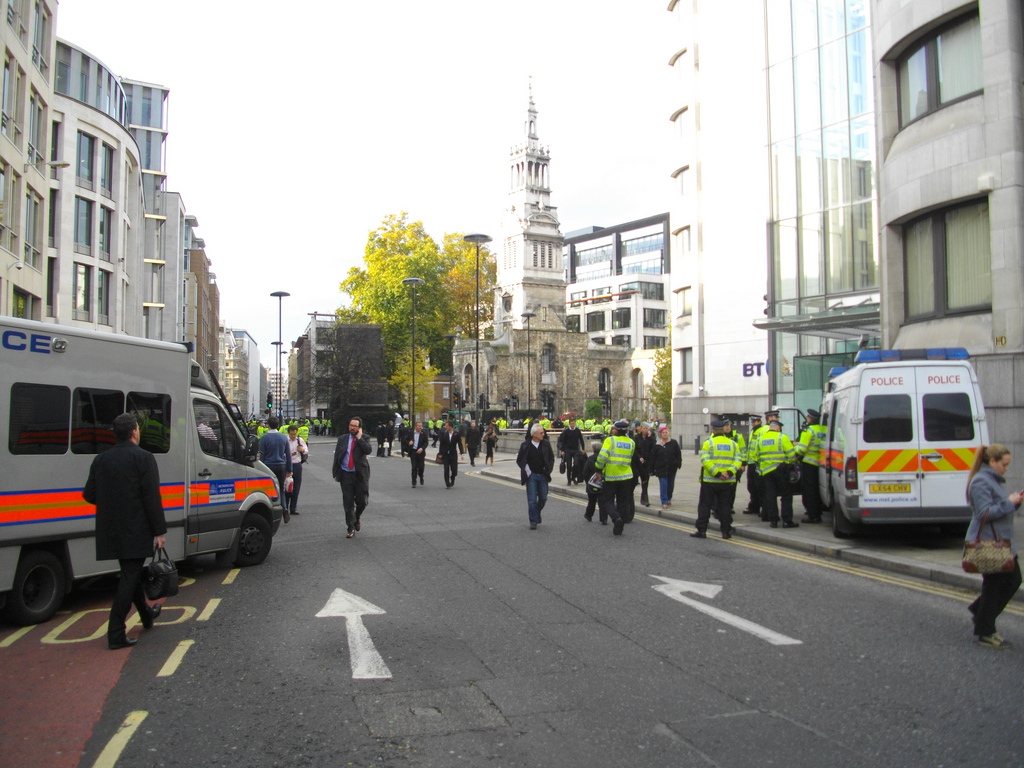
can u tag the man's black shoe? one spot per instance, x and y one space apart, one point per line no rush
809 519
774 523
116 645
588 518
698 535
791 524
154 611
727 533
617 529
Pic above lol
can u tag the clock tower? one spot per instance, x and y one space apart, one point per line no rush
530 274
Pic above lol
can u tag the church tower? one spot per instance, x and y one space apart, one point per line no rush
530 274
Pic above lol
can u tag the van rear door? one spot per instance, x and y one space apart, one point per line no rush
887 457
949 437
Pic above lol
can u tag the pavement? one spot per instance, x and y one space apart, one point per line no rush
921 552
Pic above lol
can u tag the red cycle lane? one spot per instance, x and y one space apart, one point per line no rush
54 680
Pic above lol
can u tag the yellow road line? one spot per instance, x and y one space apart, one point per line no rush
232 575
209 609
961 595
12 638
110 754
175 659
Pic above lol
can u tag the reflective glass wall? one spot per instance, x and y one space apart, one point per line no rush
822 144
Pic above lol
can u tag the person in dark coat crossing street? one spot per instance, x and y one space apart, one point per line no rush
352 470
450 450
535 461
124 484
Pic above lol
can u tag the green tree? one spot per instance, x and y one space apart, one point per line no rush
660 390
445 303
401 381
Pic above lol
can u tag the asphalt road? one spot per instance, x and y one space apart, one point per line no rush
565 646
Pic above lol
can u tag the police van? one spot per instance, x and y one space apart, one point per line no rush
902 430
61 389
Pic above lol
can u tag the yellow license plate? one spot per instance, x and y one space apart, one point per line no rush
889 488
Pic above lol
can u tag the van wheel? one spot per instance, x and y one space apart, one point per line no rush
39 586
253 541
841 527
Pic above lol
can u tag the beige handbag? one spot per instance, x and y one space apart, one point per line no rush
989 555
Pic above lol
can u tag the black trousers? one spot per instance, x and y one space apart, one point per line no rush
810 495
616 500
571 459
645 478
997 589
755 488
417 460
592 499
354 492
717 497
451 469
129 591
776 486
278 470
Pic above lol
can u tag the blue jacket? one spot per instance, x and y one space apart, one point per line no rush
274 449
988 494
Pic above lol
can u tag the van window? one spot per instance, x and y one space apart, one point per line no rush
216 435
92 419
153 412
40 418
888 419
948 417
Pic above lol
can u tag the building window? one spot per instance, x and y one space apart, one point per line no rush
21 305
622 341
81 292
601 295
51 285
683 244
106 223
684 306
33 229
686 365
942 69
621 318
36 130
41 40
103 297
576 299
654 342
948 262
547 359
83 226
572 323
682 178
654 318
595 321
107 171
86 144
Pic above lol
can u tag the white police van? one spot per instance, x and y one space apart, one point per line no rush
902 430
61 389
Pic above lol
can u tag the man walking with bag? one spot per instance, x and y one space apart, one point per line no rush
124 484
351 469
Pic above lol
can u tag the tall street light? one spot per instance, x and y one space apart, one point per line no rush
413 281
451 373
477 240
529 374
279 295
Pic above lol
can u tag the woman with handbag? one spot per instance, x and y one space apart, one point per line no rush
490 440
666 459
300 453
993 510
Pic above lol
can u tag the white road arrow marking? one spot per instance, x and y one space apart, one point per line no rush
675 588
366 663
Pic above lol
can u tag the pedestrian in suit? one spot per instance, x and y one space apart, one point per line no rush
417 448
403 438
124 484
535 461
570 443
381 429
473 438
352 470
645 443
450 449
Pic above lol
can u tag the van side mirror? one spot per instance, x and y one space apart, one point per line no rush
252 448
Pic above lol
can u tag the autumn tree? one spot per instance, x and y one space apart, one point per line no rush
401 380
660 389
445 303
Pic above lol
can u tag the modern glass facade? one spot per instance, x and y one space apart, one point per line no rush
822 241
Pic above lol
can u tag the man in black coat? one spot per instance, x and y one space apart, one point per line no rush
645 443
417 449
535 460
450 448
352 470
473 438
124 484
570 445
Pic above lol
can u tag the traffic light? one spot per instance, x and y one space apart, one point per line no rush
270 400
455 399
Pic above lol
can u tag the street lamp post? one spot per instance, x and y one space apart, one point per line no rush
413 281
279 295
451 373
477 240
529 374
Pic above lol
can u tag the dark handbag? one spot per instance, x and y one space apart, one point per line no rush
987 556
561 467
794 473
439 459
161 576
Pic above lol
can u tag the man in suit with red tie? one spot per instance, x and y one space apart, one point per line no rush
450 450
417 448
352 470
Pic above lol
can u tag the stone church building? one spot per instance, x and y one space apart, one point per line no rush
533 361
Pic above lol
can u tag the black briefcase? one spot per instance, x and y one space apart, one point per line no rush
161 576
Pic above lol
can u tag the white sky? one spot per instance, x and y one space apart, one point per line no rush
294 129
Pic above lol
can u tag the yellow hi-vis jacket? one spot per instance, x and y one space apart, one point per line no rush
773 449
615 461
719 454
811 441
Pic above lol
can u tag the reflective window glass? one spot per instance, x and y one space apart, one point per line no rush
805 25
968 257
837 251
859 80
153 412
780 94
806 92
834 99
837 165
785 260
831 19
783 179
865 259
856 14
812 281
808 164
862 150
780 31
920 268
92 419
948 417
959 57
913 78
888 419
39 421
